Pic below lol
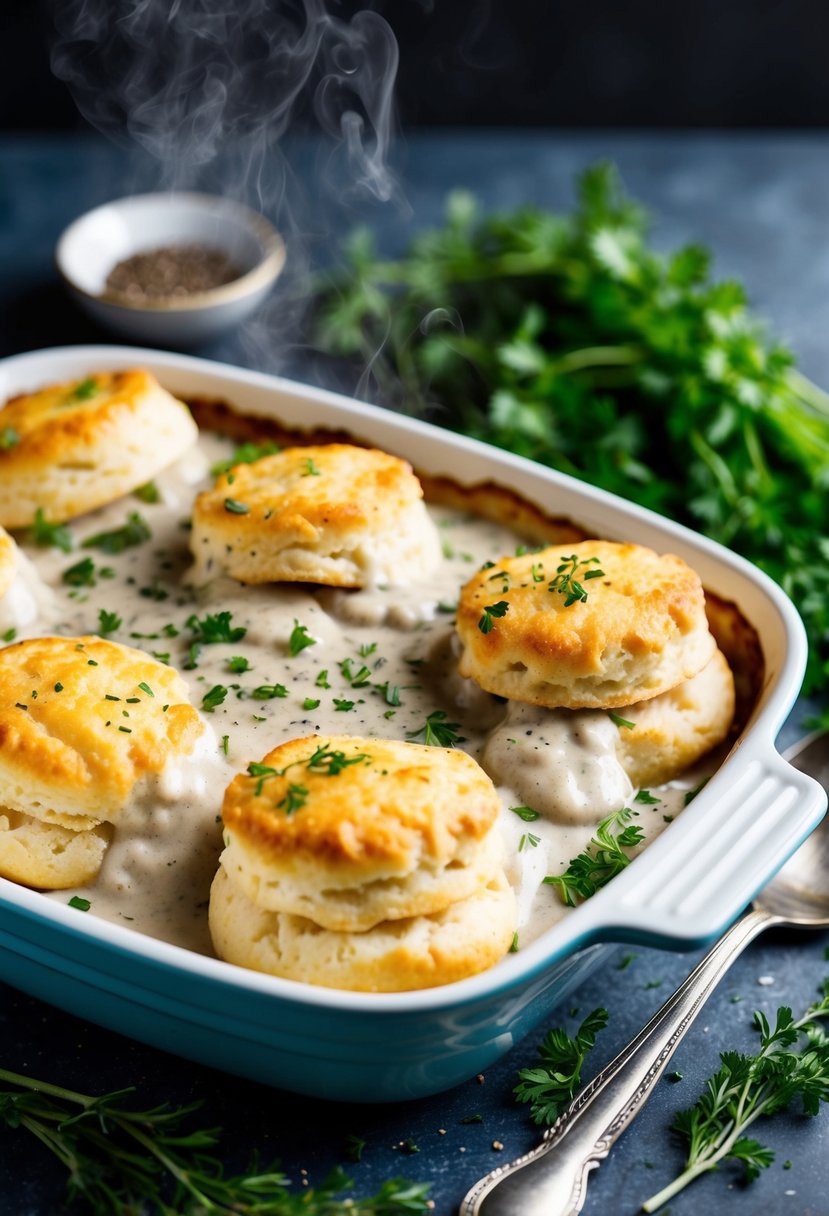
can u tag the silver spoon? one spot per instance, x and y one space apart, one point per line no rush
551 1179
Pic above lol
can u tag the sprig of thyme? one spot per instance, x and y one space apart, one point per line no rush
793 1061
119 1160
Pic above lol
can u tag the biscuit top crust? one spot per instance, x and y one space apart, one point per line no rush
629 625
300 492
64 419
8 561
79 445
357 805
82 720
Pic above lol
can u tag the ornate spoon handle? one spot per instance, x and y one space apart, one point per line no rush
551 1180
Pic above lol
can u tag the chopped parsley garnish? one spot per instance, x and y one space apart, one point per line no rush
9 438
343 705
619 721
108 622
134 532
311 469
646 797
526 813
213 629
310 703
225 744
322 679
366 649
238 664
490 612
56 536
144 686
528 839
294 798
266 692
299 639
82 574
436 731
691 794
549 1086
565 580
10 635
149 492
235 507
77 901
323 761
246 454
390 692
86 389
214 697
602 860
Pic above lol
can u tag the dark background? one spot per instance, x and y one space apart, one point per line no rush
564 63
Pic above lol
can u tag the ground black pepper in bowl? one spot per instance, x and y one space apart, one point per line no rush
172 271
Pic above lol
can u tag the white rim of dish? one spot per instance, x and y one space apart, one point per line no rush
266 270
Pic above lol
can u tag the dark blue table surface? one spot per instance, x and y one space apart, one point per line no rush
760 202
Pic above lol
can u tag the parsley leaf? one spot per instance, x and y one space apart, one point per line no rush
134 532
299 639
550 1086
46 534
436 731
603 859
212 629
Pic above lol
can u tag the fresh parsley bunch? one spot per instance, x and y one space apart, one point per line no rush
568 339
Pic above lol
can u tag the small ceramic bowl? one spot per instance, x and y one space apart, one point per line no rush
96 242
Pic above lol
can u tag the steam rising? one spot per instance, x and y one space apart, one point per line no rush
210 88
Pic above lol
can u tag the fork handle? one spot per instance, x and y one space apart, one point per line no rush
551 1180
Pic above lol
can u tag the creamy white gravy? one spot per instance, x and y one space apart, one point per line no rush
381 661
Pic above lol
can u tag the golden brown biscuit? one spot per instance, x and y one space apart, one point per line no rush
395 956
334 514
8 562
349 831
82 721
83 444
672 731
48 857
626 625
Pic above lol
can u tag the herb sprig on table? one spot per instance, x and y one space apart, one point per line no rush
568 339
551 1085
793 1061
119 1159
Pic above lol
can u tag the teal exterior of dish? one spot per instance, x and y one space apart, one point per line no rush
332 1053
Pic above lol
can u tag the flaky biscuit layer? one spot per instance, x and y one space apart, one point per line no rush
46 856
469 936
676 729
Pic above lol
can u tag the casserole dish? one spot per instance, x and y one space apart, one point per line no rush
680 893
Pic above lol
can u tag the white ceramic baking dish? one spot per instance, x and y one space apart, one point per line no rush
680 893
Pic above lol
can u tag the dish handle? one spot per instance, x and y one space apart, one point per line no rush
717 859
